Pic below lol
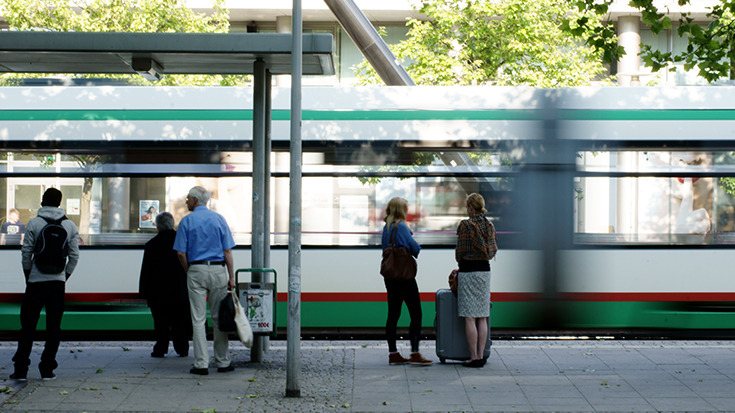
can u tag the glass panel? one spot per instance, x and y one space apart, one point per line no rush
655 198
345 190
71 203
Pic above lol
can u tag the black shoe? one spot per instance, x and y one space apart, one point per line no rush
201 372
47 374
19 377
484 361
225 369
182 349
473 363
158 355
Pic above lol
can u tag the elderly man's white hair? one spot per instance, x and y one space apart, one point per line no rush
201 194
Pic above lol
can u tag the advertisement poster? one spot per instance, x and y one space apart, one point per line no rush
260 309
72 206
148 212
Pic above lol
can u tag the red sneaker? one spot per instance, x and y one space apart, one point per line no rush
395 359
418 360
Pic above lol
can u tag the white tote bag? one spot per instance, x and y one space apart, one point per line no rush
243 324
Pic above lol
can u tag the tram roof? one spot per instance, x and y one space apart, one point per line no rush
175 53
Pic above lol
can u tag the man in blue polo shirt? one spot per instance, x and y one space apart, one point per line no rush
204 246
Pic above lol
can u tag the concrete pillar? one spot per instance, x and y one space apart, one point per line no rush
280 190
283 25
118 204
280 195
626 210
629 36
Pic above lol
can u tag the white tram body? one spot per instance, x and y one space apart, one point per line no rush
610 201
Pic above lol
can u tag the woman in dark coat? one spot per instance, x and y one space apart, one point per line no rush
163 284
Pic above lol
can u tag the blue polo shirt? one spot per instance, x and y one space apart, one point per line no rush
203 235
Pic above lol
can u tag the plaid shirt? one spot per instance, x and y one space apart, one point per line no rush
476 239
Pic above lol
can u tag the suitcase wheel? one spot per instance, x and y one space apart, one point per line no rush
442 360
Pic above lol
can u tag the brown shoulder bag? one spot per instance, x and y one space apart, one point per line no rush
397 262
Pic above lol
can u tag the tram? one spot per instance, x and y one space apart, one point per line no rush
614 206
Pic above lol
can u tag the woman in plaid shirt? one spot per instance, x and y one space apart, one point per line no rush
477 243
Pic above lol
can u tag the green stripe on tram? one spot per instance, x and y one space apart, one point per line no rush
277 115
579 316
648 115
367 115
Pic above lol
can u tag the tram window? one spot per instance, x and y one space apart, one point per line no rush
656 198
336 210
343 202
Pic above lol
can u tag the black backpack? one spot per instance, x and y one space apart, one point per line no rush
50 254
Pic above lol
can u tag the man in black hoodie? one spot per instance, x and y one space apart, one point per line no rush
163 284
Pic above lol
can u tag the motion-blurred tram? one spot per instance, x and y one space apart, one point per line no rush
615 206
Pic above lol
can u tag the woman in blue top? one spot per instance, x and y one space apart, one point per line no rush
402 290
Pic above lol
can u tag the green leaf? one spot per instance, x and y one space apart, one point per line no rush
534 44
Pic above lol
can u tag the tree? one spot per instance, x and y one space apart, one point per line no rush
115 16
486 42
711 49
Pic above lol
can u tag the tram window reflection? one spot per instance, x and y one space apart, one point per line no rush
671 197
338 209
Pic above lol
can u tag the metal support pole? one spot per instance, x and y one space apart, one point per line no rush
293 346
267 191
267 176
259 131
369 42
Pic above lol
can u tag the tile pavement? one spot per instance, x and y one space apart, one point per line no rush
351 376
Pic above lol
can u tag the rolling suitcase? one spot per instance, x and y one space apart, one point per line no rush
451 341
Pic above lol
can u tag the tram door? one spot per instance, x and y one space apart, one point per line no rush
24 194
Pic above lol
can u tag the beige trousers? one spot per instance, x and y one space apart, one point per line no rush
203 281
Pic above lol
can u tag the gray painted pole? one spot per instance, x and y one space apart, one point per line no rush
267 177
293 331
369 42
259 130
267 192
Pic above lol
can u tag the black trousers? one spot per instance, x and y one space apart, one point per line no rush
171 321
398 293
49 294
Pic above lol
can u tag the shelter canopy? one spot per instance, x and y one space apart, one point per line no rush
175 53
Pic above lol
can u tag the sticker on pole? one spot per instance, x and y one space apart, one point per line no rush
260 309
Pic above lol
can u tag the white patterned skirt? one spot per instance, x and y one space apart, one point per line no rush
474 294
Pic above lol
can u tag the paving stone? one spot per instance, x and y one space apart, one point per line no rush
354 376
